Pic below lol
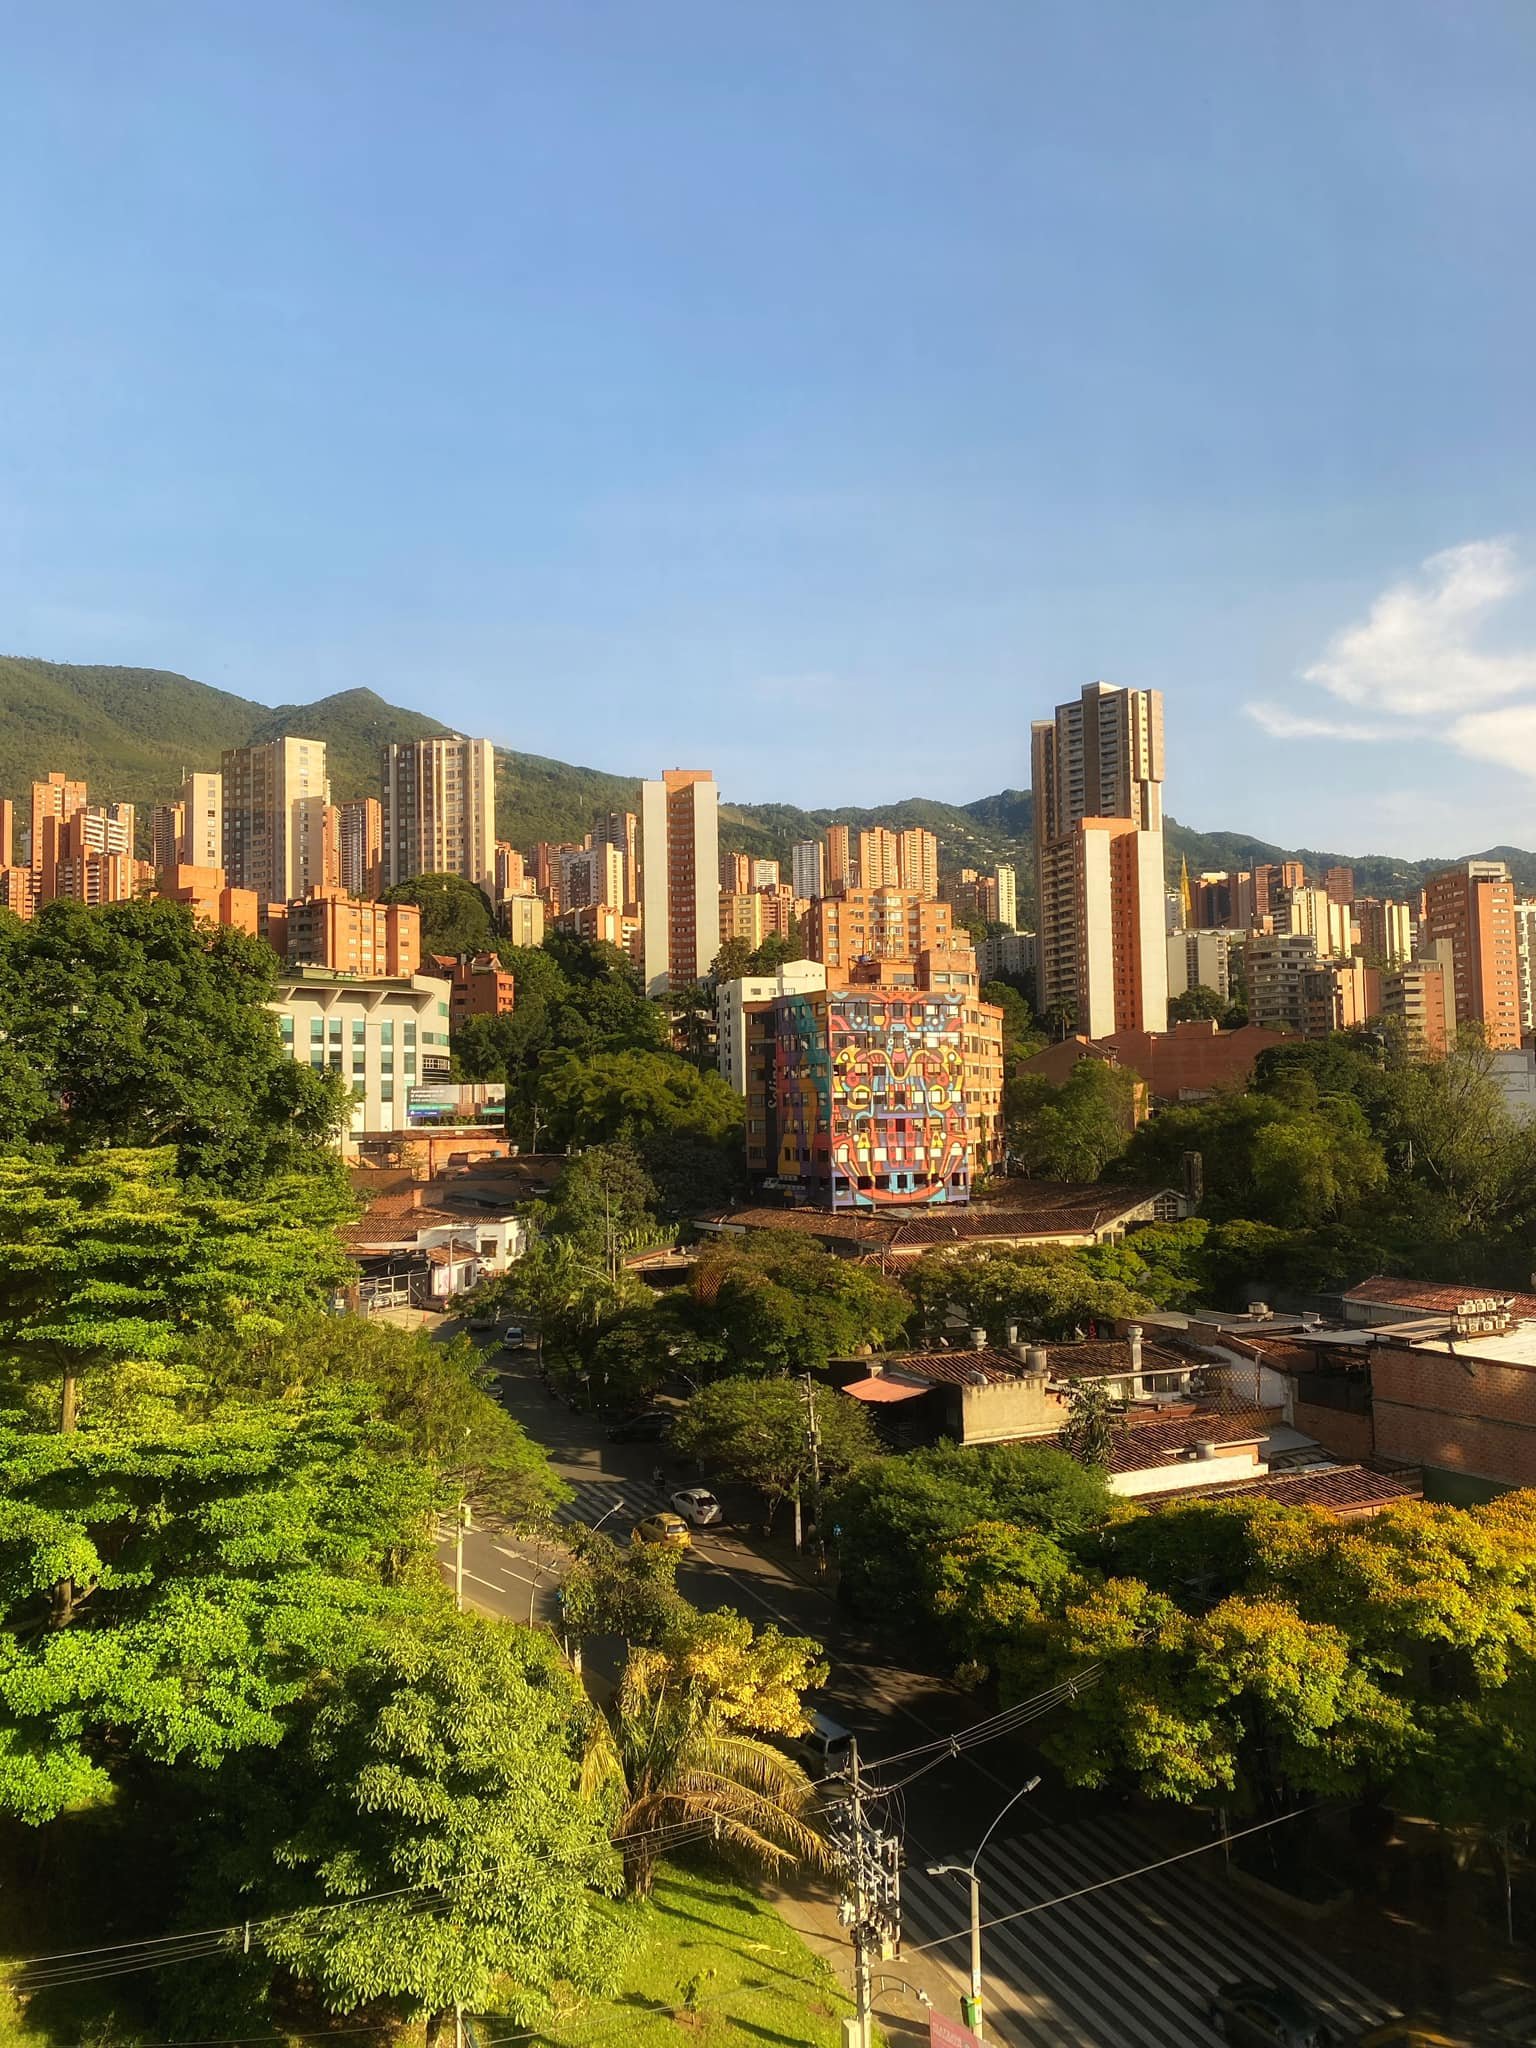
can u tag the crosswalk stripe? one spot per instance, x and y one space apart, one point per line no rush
594 1497
1206 1902
1089 1951
1123 1967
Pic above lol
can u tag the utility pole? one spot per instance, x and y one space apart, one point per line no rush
813 1439
971 2010
464 1522
870 1907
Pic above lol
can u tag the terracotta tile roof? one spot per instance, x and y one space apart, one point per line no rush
1019 1209
1434 1297
1345 1489
1285 1354
882 1389
958 1368
1103 1356
1147 1446
390 1221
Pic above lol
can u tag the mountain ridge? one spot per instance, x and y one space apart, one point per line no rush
132 731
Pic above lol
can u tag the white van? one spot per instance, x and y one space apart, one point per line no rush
825 1745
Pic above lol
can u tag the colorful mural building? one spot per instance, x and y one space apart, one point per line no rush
877 1093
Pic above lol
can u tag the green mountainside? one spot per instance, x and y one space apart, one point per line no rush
131 732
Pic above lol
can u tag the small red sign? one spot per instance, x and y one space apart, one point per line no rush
943 2033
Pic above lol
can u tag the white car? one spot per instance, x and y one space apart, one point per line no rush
696 1504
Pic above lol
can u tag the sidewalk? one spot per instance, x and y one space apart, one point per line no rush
901 2018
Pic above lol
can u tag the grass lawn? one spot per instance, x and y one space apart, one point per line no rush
712 1965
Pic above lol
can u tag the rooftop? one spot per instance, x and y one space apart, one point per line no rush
1020 1209
1435 1297
1342 1489
1147 1446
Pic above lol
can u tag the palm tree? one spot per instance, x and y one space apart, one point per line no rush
675 1762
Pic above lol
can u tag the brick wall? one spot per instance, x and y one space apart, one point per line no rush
1336 1429
1458 1414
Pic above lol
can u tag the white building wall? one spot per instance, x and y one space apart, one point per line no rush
382 1037
795 977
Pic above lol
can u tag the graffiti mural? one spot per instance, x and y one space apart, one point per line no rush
870 1097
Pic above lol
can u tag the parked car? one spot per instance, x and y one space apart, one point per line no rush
513 1337
1253 2015
647 1428
696 1504
825 1745
483 1319
663 1528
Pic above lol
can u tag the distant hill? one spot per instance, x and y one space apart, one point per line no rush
132 731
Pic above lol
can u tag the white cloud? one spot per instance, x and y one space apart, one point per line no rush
1290 725
1506 736
1413 654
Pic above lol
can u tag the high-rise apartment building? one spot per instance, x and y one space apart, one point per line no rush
1473 906
512 877
917 861
679 877
88 856
765 874
736 873
275 795
842 868
592 874
808 868
360 847
1385 930
879 859
53 796
7 831
1199 960
522 919
1276 966
792 977
207 894
167 833
1007 896
622 829
1420 997
1101 943
875 924
872 1095
202 813
439 809
1314 914
328 928
603 924
1339 884
1525 964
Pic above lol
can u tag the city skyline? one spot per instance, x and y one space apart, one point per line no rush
926 388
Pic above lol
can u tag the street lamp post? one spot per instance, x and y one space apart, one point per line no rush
462 1524
533 1583
972 2005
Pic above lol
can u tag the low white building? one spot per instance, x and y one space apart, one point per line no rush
795 977
383 1034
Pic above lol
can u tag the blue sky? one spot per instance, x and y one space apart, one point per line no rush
814 392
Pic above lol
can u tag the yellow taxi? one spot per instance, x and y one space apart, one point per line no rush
663 1528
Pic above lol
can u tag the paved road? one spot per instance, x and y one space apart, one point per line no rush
1127 1967
1130 1966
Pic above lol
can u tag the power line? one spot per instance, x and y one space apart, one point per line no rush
1124 1877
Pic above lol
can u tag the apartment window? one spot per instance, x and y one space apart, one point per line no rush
359 1031
387 1033
386 1091
317 1031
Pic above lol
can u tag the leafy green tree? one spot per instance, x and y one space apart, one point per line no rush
606 1203
1044 1292
108 1263
771 955
456 917
1072 1132
732 962
758 1431
621 1589
1196 1003
685 1743
781 1303
133 1026
1312 1165
438 1397
167 1595
993 1586
443 1766
1021 1038
895 1517
636 1095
